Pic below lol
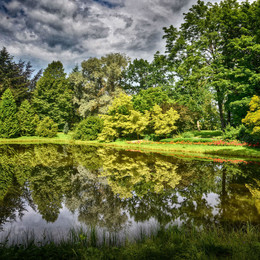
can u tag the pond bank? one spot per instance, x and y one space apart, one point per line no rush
189 149
182 243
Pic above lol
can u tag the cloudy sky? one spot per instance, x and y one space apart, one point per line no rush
41 31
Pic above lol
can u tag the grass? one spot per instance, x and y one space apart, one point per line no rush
186 242
232 151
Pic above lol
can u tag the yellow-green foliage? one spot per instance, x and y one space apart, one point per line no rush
122 120
163 123
252 118
47 128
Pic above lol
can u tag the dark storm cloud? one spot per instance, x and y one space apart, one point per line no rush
73 30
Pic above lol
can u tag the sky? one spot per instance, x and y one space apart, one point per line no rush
71 31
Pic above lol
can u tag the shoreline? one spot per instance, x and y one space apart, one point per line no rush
197 151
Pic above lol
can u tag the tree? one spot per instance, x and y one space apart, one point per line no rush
122 120
53 96
47 128
141 75
16 76
163 123
89 128
9 125
215 52
146 99
27 118
97 83
252 118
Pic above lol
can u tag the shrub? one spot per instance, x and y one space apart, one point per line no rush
187 135
89 128
47 128
231 133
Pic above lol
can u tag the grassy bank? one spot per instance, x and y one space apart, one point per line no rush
173 243
191 149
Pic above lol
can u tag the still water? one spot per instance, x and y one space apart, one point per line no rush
46 190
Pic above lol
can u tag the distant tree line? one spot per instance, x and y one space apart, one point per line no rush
209 77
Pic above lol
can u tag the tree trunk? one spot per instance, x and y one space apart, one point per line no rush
198 125
220 108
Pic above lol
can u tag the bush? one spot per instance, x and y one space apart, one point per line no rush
231 133
89 128
187 135
47 128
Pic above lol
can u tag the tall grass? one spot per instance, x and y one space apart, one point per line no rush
186 242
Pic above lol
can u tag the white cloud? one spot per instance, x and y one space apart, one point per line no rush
73 30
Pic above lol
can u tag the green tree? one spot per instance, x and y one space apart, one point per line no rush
53 96
146 99
89 128
47 128
163 123
97 83
27 119
122 120
215 55
141 75
252 118
16 76
9 125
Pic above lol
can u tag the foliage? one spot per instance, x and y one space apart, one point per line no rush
252 118
89 128
141 75
215 57
27 119
9 125
97 83
163 123
230 133
47 128
52 96
146 99
16 76
122 120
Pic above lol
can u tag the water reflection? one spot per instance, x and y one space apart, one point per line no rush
109 188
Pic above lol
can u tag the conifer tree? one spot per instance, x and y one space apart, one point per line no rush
52 96
9 125
27 119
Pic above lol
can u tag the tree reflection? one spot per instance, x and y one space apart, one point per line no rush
105 186
137 173
95 202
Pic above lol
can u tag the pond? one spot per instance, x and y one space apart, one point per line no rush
47 190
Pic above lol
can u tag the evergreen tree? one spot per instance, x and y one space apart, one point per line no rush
9 125
52 96
27 119
16 76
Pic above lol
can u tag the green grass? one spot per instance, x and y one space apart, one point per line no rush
207 133
202 140
61 137
173 243
223 151
233 151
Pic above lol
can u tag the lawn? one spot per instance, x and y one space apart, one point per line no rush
183 145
